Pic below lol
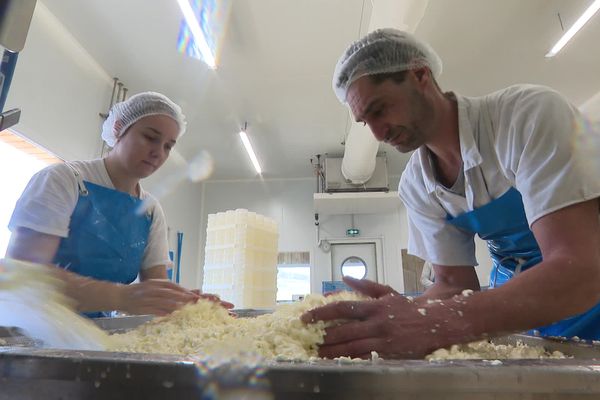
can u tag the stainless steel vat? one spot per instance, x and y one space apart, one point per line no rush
32 373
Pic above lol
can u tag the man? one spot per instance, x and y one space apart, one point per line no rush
513 167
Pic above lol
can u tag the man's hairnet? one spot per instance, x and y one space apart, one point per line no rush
135 108
379 52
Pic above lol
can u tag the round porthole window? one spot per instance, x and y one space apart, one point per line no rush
354 267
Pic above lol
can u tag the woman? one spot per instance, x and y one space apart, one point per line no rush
84 216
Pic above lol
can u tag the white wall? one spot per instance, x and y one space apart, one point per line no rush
60 90
392 229
287 202
290 203
591 108
388 227
181 202
182 213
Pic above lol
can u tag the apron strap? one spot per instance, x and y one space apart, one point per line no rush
82 189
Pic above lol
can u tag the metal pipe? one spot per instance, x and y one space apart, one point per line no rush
112 99
124 94
114 90
318 231
318 173
120 85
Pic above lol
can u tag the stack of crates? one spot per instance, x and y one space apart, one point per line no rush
240 263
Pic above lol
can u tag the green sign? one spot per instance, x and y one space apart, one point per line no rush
352 232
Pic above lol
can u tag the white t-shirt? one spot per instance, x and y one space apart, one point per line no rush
48 201
525 136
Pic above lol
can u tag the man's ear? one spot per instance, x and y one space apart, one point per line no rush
422 74
422 77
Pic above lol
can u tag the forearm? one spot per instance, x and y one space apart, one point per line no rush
91 294
536 297
156 272
446 287
438 291
565 283
539 296
153 296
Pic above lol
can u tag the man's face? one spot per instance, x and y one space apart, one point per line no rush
397 113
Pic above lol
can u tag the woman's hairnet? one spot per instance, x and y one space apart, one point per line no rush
379 52
135 108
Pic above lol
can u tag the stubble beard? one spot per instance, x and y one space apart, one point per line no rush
420 129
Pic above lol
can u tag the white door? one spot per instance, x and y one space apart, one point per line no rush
357 260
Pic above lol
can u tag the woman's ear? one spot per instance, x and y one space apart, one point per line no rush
117 128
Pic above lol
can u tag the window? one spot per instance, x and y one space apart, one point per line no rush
354 267
293 282
19 160
293 276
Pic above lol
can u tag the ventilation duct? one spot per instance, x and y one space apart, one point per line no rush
335 182
360 152
361 147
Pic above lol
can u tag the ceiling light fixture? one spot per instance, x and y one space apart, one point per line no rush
249 149
199 37
581 21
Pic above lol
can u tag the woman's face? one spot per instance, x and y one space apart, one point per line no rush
146 145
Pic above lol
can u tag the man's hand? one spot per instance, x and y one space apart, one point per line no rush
390 324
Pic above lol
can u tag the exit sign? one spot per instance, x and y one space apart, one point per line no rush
352 232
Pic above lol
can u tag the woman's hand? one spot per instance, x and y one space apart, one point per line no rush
213 297
153 296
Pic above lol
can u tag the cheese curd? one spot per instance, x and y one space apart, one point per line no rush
486 350
205 329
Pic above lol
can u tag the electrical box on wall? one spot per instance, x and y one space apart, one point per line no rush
335 181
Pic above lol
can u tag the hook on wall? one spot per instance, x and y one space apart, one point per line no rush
119 93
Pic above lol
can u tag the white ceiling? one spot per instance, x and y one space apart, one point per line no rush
277 59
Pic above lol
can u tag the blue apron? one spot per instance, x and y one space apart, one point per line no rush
107 238
513 248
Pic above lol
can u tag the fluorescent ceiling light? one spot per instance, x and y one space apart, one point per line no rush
199 38
250 151
581 21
